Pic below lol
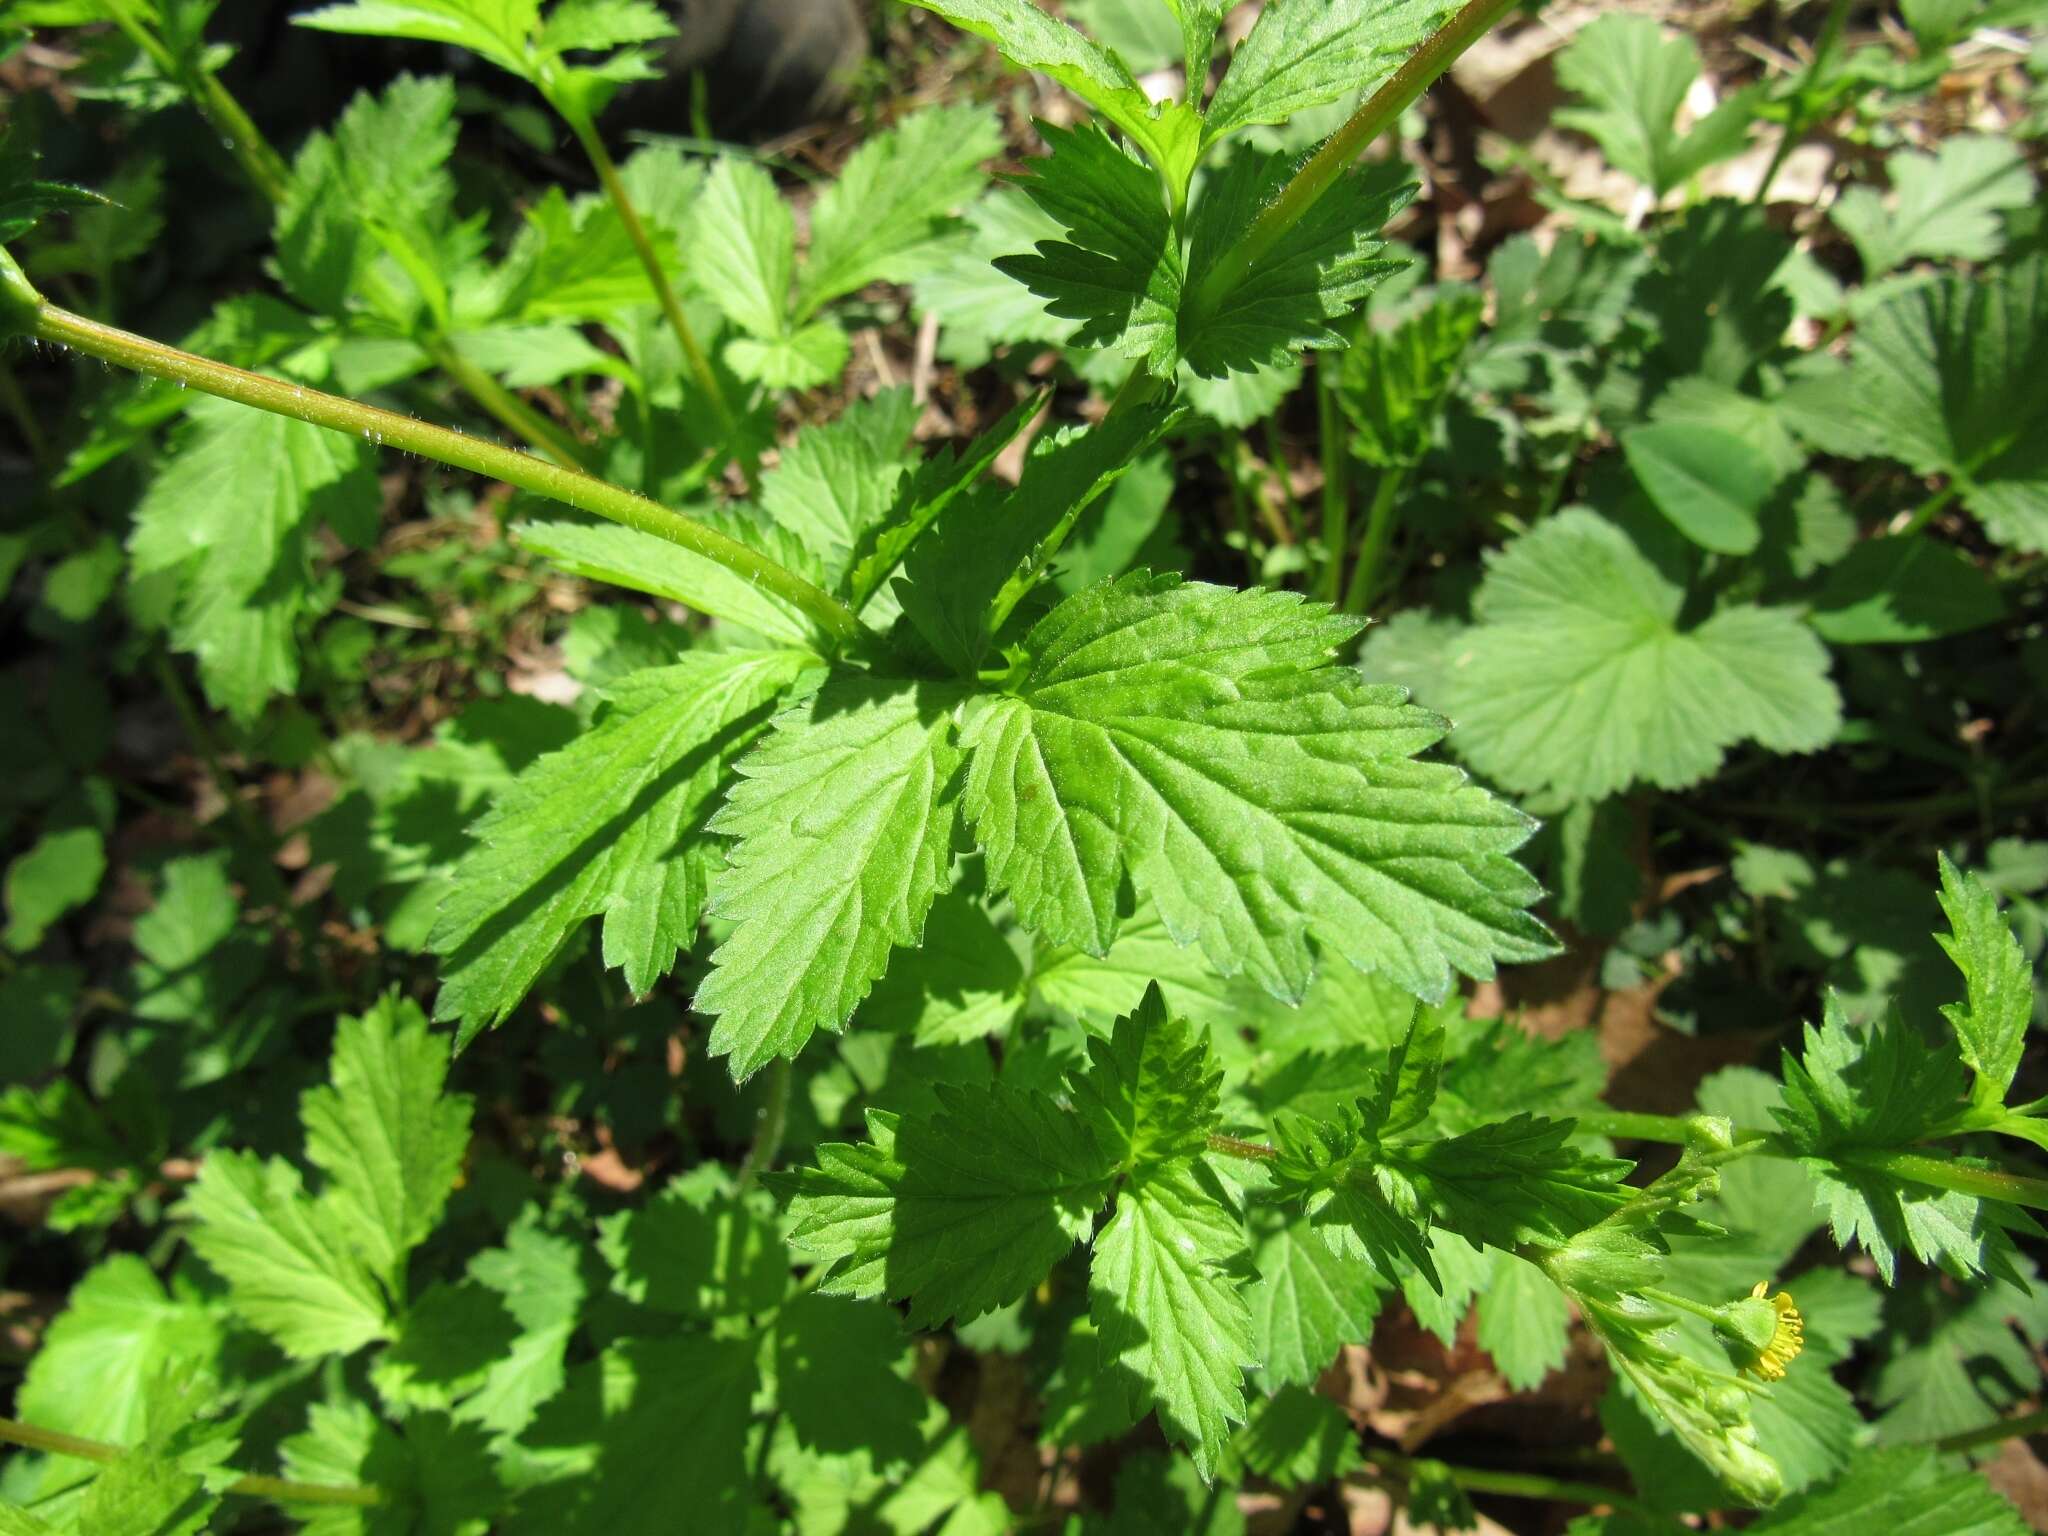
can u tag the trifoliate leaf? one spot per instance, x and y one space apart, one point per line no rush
1150 1090
1945 205
1197 742
1237 319
599 828
233 512
390 1142
1524 1322
744 255
883 216
120 1330
1950 378
1579 678
1635 79
288 1274
1168 1314
1904 1492
957 1212
1991 1024
845 819
1119 270
1307 1303
1170 134
835 485
1306 53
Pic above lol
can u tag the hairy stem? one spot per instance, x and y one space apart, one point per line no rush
1245 1151
510 410
275 1489
568 486
1374 116
643 245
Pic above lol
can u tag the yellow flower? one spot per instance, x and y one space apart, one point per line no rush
1788 1335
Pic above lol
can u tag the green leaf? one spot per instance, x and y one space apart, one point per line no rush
233 512
1578 678
834 486
653 1426
698 1249
390 1143
1160 731
956 1212
884 217
540 1277
1145 34
986 554
600 827
1168 1313
1991 1024
1150 1090
803 359
119 1331
288 1275
493 29
1953 1363
1307 1303
60 872
1945 204
1303 54
576 260
1901 590
1030 39
1903 1492
744 255
25 197
1710 483
1950 378
1297 1438
640 562
1635 80
845 819
1393 384
963 983
1857 1091
1294 291
1524 1322
1119 270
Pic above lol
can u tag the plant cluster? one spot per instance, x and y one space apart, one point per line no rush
1039 977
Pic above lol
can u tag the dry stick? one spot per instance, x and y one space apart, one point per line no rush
275 1489
22 308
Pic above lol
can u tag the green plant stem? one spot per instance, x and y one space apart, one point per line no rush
1245 1151
1938 1173
1374 116
25 422
1799 122
643 245
275 1489
1379 532
2030 792
774 1116
2014 1428
1336 478
1520 1485
510 410
216 103
1927 511
558 483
